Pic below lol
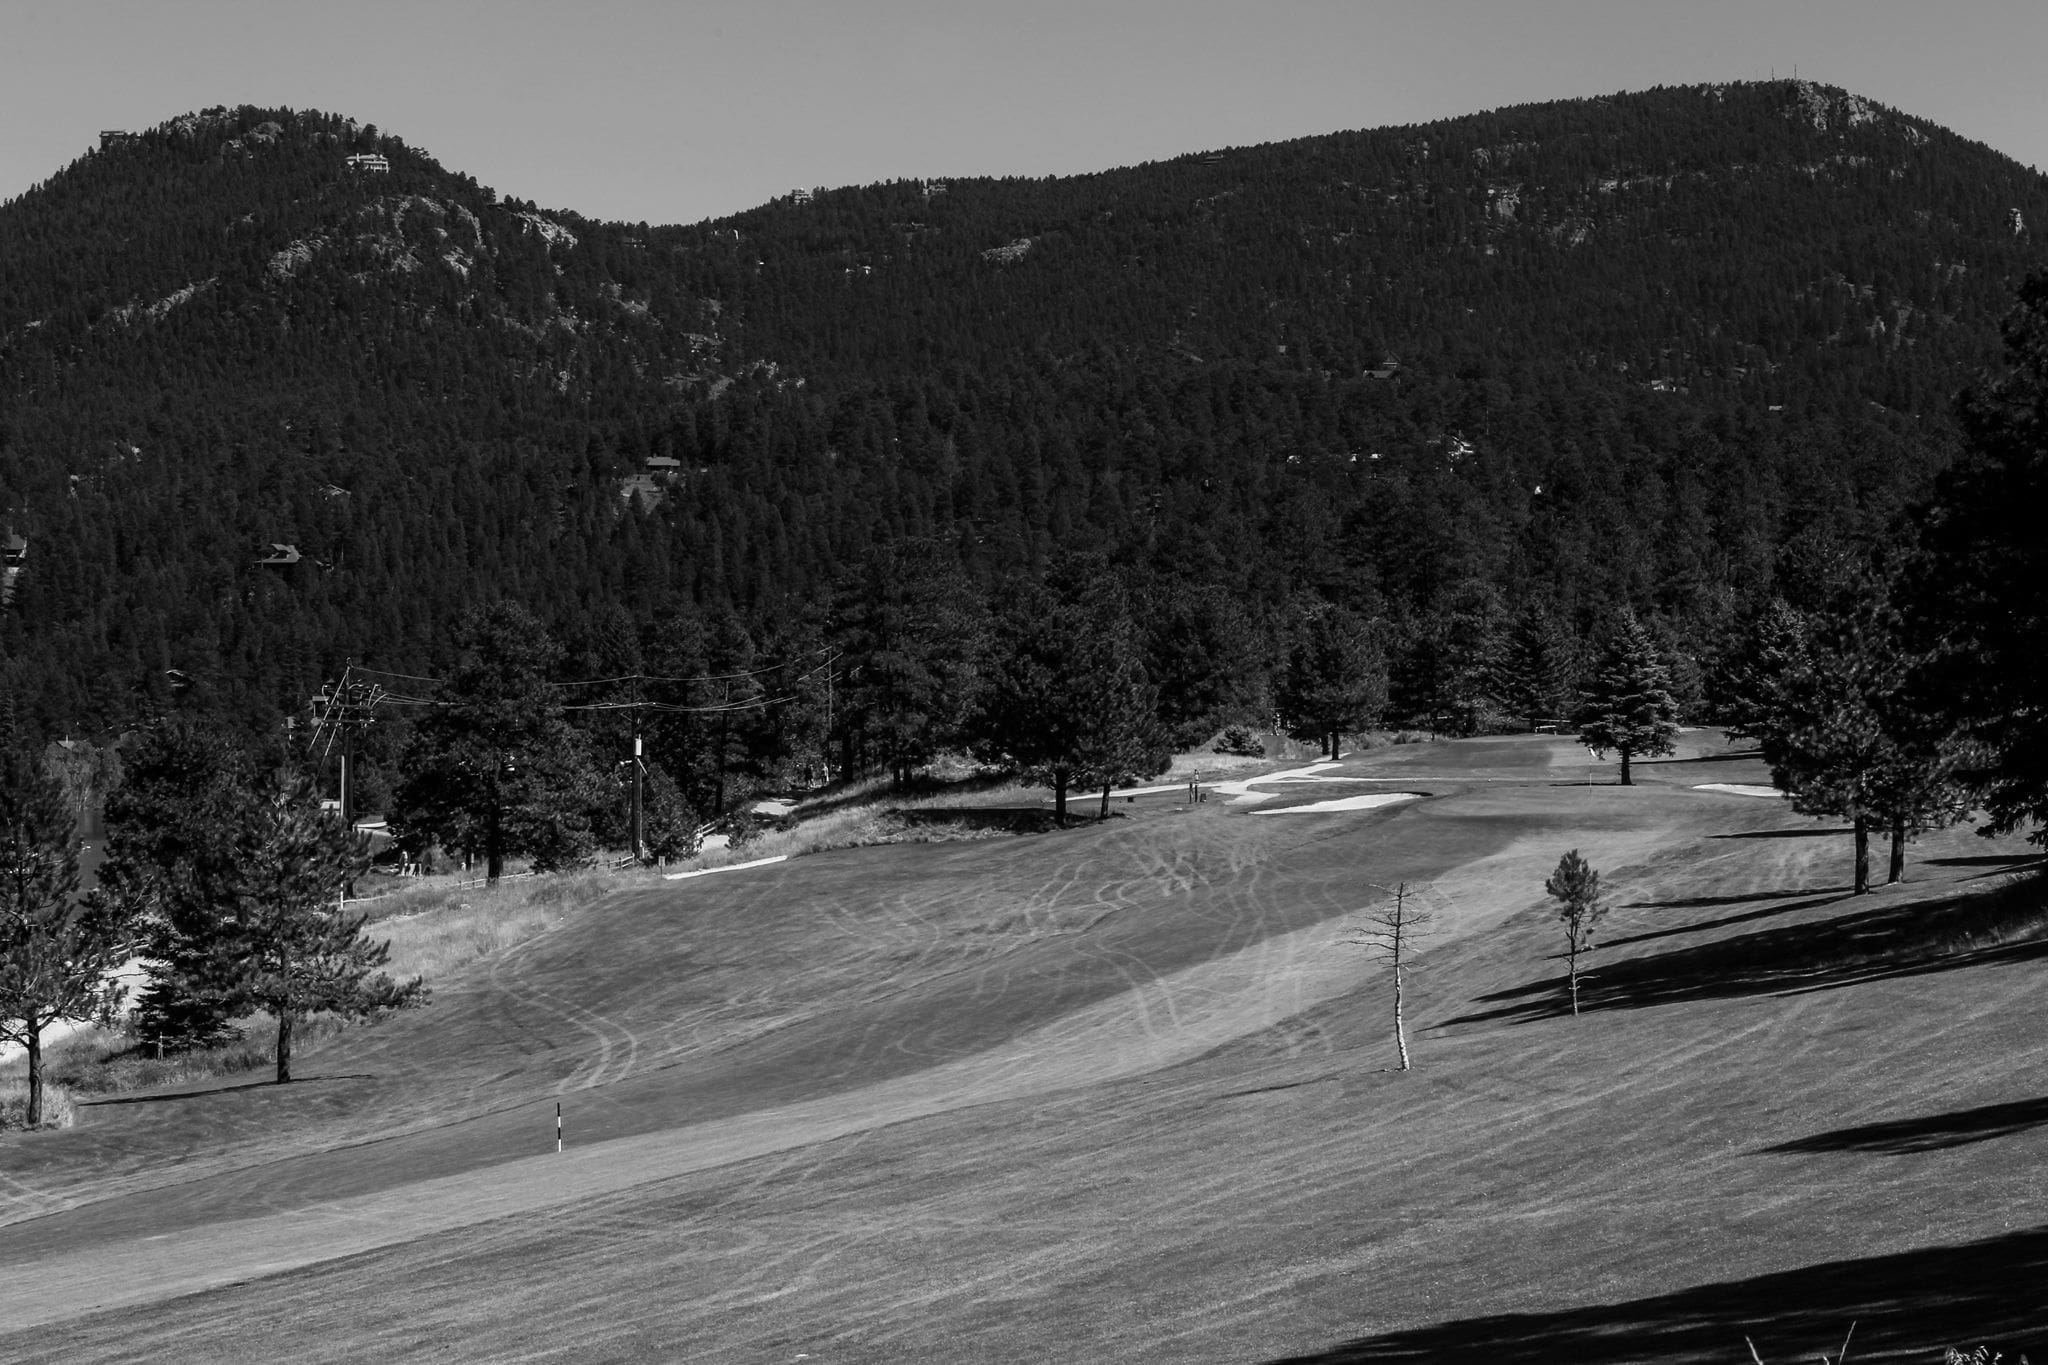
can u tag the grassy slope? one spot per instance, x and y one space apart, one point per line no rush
908 1103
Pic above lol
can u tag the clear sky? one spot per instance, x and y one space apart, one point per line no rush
671 112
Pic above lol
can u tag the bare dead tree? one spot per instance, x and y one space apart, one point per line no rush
1390 931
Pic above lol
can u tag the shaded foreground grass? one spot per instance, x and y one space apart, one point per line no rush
1985 1292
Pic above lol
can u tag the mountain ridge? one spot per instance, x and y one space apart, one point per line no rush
1396 367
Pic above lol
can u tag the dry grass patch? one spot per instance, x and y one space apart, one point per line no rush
439 928
57 1108
103 1061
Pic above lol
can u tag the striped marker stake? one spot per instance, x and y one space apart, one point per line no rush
558 1127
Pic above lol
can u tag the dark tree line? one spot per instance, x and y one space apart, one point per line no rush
1632 380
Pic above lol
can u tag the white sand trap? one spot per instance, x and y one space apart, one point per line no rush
1237 787
775 808
1738 789
1365 802
1076 798
729 867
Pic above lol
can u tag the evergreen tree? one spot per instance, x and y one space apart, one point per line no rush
1979 592
1576 888
1746 682
1069 703
668 825
494 771
56 950
284 941
1628 707
1203 650
1534 677
1845 738
1118 734
1336 678
913 634
171 859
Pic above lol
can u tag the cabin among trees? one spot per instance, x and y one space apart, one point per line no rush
13 555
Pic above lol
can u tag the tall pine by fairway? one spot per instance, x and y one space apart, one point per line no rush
285 937
1629 707
56 950
497 772
1978 597
1844 735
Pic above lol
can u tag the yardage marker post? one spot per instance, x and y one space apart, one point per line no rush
558 1127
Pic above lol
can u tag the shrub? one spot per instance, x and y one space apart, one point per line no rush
1239 739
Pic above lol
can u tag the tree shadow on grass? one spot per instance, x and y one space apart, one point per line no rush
2012 860
1731 756
1700 902
1928 1133
296 1084
1888 940
1786 833
1818 896
1909 1305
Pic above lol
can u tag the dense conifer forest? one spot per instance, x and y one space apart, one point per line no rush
1475 386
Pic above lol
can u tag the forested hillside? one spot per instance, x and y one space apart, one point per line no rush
1541 362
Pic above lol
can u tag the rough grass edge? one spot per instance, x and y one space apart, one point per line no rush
58 1111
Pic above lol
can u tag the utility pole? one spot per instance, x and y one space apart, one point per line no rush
638 843
348 763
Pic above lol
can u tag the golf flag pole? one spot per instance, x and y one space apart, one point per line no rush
558 1126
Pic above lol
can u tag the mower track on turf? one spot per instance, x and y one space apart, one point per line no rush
865 990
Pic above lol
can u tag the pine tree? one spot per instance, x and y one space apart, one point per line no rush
668 825
57 952
284 941
1979 593
1118 737
1534 677
1336 678
171 858
914 632
1844 737
1629 707
1069 703
1576 887
1746 682
495 771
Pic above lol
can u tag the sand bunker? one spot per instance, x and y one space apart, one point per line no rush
1237 788
729 867
1365 802
1738 789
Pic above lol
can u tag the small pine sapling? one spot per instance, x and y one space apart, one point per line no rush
1577 888
1391 932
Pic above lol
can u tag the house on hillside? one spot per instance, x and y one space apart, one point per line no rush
375 162
13 554
114 137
